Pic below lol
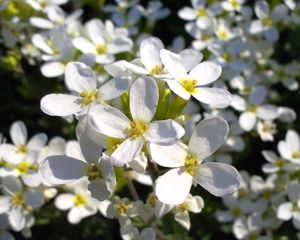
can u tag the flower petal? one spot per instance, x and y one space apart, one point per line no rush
168 156
18 133
114 87
174 186
64 201
143 99
218 178
165 132
247 121
206 72
79 77
59 169
61 104
216 97
190 58
210 134
108 121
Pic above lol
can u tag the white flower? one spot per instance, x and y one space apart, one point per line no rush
187 162
290 148
113 123
79 203
275 163
86 162
192 83
81 81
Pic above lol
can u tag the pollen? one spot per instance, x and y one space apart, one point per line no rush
267 22
279 163
247 90
201 12
113 144
183 207
191 164
252 108
101 49
138 128
17 199
22 149
79 200
295 154
188 84
235 4
223 35
93 172
236 212
23 167
88 97
122 208
156 70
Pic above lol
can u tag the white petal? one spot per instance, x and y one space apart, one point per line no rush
190 58
177 88
96 31
11 184
41 23
258 95
37 141
84 45
240 228
74 215
247 121
99 190
143 99
164 132
216 97
270 156
284 150
150 52
187 13
210 134
58 169
168 156
52 69
183 219
40 42
4 204
267 112
108 121
79 77
256 27
64 201
174 186
261 9
61 104
292 140
34 198
206 72
18 133
218 178
284 211
17 219
173 64
127 151
114 87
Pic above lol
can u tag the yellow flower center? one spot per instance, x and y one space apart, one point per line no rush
247 90
253 236
113 144
235 4
93 172
23 167
267 22
183 207
17 199
121 208
156 70
236 212
152 201
266 128
223 35
191 164
188 84
79 200
252 108
201 12
137 128
295 154
281 73
267 194
227 56
279 163
22 149
88 97
101 49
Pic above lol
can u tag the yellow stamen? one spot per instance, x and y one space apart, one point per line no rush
101 49
93 172
113 144
236 212
22 149
23 167
295 154
191 164
188 84
267 22
201 12
17 199
183 207
79 200
88 97
156 70
121 208
252 108
235 4
138 128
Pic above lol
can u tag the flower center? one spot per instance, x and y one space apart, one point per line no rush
183 207
101 49
191 164
121 208
201 12
113 144
17 199
267 22
223 35
93 172
252 108
247 89
236 212
152 201
138 128
281 73
156 70
23 167
235 4
279 163
79 200
227 56
88 97
22 149
295 154
188 84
